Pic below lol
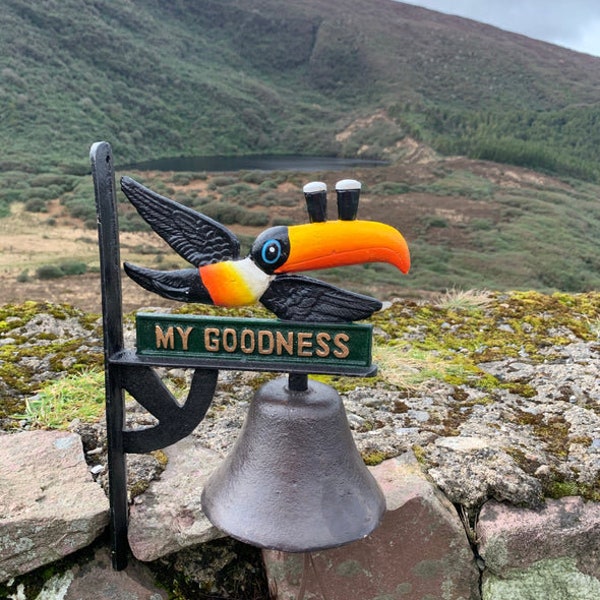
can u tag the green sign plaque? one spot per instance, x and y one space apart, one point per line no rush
322 347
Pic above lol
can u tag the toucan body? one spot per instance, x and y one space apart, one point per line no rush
222 278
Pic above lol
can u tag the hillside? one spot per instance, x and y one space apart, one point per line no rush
364 78
236 76
469 224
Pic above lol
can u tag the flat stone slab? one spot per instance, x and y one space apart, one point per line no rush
420 550
515 538
97 580
49 504
168 516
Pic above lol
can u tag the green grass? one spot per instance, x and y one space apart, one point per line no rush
57 404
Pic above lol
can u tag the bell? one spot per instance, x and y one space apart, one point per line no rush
294 480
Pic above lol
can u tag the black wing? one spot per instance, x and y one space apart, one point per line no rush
196 237
183 285
298 298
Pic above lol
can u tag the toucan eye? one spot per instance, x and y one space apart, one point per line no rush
271 249
271 252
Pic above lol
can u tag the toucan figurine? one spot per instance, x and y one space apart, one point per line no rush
222 278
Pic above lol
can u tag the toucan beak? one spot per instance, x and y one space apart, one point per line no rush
340 243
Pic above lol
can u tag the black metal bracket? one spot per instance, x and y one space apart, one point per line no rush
174 421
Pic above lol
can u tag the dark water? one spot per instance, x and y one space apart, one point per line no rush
263 162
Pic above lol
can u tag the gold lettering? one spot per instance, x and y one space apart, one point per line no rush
229 339
282 343
184 336
166 340
305 343
343 350
322 338
211 339
266 342
245 335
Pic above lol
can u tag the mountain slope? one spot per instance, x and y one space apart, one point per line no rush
197 77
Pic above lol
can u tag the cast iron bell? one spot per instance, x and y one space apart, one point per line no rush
294 480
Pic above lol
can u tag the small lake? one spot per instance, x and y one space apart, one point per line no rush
263 162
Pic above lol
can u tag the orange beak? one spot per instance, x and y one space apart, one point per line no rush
340 243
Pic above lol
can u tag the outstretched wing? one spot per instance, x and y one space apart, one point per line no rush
196 237
298 298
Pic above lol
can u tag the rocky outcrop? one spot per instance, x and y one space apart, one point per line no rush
499 404
93 578
555 549
424 547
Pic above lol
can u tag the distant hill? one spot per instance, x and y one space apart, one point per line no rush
370 78
202 77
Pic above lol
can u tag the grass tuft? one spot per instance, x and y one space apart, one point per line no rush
463 299
57 404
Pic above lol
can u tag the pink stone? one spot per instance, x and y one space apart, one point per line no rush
49 504
511 537
420 550
169 515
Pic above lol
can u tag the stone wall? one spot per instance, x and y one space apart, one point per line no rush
423 548
491 469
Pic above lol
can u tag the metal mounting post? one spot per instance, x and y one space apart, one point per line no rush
175 421
112 322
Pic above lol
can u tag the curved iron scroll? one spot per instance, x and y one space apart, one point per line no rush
175 421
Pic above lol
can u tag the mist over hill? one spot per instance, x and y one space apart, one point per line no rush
202 77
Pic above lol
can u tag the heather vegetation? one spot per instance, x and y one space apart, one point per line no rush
347 78
202 78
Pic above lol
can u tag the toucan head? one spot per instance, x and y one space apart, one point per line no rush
323 244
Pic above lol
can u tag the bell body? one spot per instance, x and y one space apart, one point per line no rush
294 480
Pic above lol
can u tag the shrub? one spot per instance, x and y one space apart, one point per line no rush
183 198
222 180
482 224
23 276
223 212
36 205
282 221
182 178
254 219
8 195
49 272
4 209
75 168
73 267
256 177
270 199
390 188
268 184
47 179
434 221
69 267
237 189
